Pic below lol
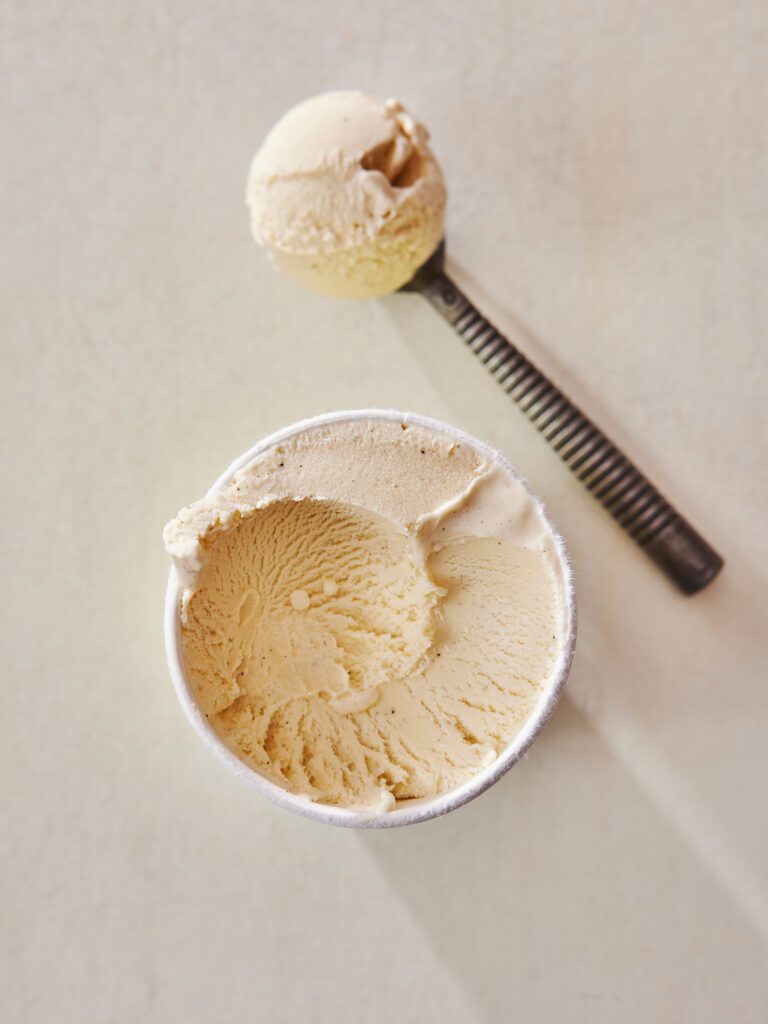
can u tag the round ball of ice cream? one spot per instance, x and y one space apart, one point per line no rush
346 196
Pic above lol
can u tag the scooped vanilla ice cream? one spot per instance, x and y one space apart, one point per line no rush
370 611
346 196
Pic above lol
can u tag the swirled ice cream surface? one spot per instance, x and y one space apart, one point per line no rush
370 611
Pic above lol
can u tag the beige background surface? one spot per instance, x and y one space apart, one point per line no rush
608 166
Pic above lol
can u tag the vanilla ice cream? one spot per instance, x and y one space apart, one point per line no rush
346 196
370 611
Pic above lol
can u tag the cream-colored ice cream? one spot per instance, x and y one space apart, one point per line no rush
370 611
346 196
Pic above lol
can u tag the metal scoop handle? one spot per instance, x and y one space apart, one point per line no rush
604 470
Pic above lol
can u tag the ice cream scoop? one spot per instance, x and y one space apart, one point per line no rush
346 196
348 199
369 618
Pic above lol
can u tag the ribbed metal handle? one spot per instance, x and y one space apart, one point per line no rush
604 470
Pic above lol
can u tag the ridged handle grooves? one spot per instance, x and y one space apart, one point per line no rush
603 469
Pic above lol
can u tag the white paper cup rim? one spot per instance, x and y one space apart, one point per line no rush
411 811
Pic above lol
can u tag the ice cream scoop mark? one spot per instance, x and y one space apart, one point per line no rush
411 753
430 713
449 760
466 733
391 758
270 736
483 708
248 606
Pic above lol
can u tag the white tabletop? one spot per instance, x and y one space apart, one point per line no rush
607 166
